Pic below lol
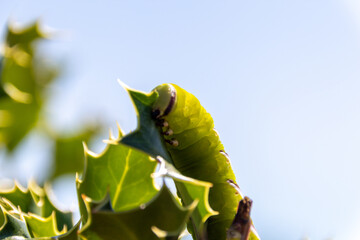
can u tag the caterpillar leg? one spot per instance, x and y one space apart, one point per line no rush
173 142
161 122
168 132
155 114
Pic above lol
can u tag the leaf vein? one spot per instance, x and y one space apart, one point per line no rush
123 176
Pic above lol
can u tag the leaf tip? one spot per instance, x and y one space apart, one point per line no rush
86 149
120 131
122 84
158 232
110 141
17 185
111 135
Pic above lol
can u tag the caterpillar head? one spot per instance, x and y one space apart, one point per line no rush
165 102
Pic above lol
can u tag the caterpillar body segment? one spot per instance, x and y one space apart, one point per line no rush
197 152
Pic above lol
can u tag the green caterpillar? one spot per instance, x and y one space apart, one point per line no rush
197 152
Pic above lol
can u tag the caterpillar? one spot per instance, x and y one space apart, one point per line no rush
197 152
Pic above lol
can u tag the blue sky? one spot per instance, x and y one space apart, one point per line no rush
280 78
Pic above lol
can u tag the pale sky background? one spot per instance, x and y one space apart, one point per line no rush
280 78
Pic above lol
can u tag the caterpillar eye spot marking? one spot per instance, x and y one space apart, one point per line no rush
173 142
166 100
171 103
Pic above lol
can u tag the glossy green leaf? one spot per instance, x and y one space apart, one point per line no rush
162 215
6 207
42 227
62 218
20 197
2 91
69 152
72 234
13 226
35 200
24 37
2 217
13 125
21 84
146 137
190 190
41 219
120 171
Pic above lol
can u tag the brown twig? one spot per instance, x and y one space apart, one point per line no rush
241 226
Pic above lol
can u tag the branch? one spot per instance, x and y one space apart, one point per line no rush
241 226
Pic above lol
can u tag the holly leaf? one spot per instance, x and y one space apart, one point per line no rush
20 197
13 227
2 217
69 152
122 172
24 37
72 234
42 219
43 227
21 84
48 208
162 215
35 200
146 137
13 125
190 190
2 91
